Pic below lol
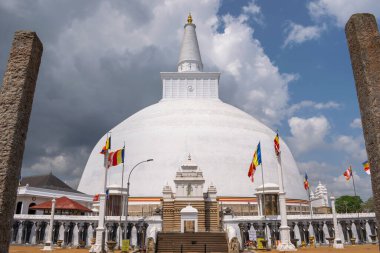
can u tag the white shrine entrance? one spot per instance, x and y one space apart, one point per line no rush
189 219
189 209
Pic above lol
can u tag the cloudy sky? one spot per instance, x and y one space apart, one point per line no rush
284 62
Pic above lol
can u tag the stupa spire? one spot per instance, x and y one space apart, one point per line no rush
189 19
190 56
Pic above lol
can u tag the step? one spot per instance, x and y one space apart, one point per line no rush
192 242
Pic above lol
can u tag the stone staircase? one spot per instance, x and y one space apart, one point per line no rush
192 242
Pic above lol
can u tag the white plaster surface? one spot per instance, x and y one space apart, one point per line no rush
190 56
221 139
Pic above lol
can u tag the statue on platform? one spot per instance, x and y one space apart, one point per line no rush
234 245
150 248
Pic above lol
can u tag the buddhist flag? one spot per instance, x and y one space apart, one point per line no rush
366 167
107 146
256 161
305 182
277 145
116 158
348 173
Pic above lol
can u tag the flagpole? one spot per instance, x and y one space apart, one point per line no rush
100 230
310 207
353 180
285 244
263 207
121 201
353 183
105 193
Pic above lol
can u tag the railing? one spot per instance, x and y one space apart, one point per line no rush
304 217
79 230
83 218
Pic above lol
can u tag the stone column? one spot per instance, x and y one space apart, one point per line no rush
338 244
49 241
285 244
363 40
100 230
16 98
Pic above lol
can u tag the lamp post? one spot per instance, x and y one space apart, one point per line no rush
126 199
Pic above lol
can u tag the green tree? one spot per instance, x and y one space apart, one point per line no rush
368 206
348 204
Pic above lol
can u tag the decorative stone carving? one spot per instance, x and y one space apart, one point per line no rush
234 246
150 248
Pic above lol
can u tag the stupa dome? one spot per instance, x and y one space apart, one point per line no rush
221 139
192 119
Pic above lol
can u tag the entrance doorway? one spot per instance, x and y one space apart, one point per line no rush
189 226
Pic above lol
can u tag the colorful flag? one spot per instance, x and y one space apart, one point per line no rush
348 173
107 146
116 158
305 182
256 161
366 167
277 144
96 198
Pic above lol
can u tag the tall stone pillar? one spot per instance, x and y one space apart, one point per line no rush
285 244
16 98
338 244
363 40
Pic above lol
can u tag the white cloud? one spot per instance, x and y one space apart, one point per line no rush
308 134
353 147
341 10
257 84
343 187
252 8
356 123
328 105
254 11
297 34
311 104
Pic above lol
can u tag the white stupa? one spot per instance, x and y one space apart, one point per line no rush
191 118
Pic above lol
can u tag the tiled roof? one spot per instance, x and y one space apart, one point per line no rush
48 181
63 203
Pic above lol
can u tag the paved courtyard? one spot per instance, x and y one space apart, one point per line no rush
348 249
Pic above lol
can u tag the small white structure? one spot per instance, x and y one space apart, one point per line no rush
189 181
189 219
320 196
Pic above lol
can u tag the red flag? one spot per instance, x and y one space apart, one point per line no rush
348 173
